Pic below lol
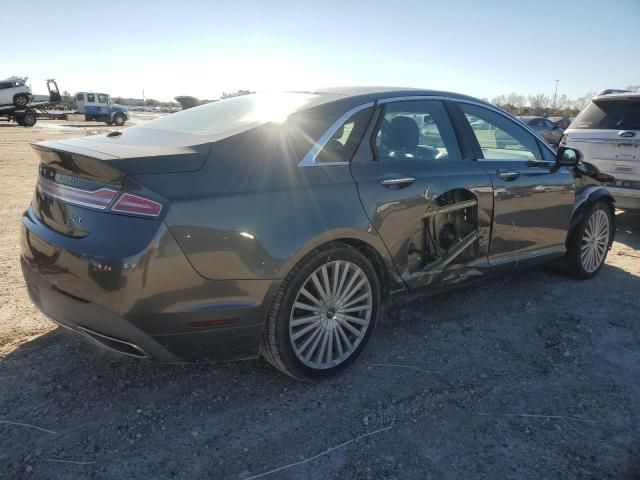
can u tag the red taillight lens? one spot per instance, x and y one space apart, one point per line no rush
134 205
99 199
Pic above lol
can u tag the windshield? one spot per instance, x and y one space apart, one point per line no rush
232 114
620 114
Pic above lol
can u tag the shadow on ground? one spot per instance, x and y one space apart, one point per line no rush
528 376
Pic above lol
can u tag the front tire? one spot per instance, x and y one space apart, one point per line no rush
323 315
590 242
21 100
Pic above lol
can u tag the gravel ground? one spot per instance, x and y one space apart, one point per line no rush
529 376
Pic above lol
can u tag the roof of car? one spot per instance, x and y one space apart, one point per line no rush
616 95
385 92
529 117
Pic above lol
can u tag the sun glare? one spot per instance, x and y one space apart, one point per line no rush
276 107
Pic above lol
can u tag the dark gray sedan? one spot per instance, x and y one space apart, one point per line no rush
548 130
277 224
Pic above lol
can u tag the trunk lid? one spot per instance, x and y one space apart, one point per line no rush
79 179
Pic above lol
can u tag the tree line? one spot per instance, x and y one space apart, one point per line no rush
542 104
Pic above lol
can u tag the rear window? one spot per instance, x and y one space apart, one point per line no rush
232 114
610 115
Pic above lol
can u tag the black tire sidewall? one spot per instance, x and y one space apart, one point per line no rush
29 124
20 95
288 356
575 257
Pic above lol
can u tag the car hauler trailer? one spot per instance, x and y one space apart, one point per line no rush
27 115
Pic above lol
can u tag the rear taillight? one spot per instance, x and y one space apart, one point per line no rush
99 199
135 205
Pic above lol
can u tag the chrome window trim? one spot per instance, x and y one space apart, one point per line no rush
309 159
478 104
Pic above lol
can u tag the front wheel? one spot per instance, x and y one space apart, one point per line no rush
590 242
324 313
21 100
119 119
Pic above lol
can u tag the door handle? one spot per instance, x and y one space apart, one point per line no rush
396 181
508 175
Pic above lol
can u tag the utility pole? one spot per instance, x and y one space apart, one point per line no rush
143 96
555 94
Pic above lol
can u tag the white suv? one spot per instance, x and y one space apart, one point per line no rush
607 133
15 91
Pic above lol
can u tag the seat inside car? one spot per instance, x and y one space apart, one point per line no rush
401 138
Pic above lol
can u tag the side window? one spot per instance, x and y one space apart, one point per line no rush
344 141
91 97
4 85
416 130
102 98
499 137
80 96
549 124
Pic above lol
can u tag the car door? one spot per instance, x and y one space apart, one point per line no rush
533 198
429 203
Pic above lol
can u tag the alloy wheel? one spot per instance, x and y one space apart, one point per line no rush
331 314
595 241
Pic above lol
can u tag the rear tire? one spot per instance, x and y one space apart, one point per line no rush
29 119
324 313
590 242
21 100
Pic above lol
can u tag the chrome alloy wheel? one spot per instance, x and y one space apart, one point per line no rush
331 314
595 241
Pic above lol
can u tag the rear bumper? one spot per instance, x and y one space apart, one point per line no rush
151 304
626 197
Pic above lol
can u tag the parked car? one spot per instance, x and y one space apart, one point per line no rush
551 132
562 122
100 107
607 131
15 91
277 224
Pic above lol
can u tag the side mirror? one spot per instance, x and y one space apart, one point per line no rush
568 157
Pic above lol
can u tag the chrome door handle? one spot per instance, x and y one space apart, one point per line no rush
508 175
397 181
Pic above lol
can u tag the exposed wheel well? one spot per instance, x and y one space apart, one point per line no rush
372 254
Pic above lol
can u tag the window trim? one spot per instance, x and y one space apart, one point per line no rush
309 159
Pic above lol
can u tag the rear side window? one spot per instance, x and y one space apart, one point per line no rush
91 97
343 143
610 115
416 130
4 85
80 96
499 137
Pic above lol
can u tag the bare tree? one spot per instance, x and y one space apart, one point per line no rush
582 102
499 101
633 88
538 101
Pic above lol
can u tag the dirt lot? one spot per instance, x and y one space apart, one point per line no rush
530 376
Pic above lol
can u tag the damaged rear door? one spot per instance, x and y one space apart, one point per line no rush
431 206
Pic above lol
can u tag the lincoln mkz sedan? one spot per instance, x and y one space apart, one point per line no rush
276 224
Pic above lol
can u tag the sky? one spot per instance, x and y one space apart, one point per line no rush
203 48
